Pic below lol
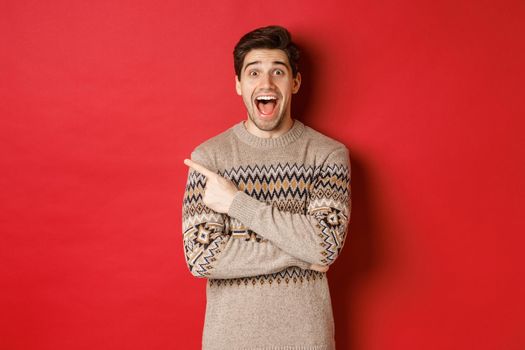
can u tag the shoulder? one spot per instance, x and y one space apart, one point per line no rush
207 151
326 147
216 142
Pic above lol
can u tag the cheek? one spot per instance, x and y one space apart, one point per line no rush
246 98
247 92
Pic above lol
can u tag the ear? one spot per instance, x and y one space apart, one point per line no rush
296 83
238 85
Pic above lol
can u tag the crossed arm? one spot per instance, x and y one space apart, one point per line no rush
310 241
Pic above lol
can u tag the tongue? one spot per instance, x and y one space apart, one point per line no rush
266 108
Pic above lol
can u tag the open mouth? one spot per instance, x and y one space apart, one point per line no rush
266 105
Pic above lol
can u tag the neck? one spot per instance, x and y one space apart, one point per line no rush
268 143
283 127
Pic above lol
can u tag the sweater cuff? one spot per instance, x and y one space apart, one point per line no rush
244 207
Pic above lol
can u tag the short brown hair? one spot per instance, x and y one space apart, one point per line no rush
270 37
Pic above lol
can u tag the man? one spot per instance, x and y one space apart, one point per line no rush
266 211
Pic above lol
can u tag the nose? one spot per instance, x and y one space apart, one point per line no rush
267 81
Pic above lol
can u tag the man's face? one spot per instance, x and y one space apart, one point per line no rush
266 85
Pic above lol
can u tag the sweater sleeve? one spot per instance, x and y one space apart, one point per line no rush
316 236
210 249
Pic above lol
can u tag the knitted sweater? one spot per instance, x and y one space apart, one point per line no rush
292 210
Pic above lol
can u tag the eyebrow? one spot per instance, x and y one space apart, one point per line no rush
258 62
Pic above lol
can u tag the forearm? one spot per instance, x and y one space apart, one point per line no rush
299 235
237 258
212 252
316 235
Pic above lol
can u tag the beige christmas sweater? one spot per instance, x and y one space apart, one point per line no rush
292 210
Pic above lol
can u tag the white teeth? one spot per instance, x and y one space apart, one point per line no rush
267 98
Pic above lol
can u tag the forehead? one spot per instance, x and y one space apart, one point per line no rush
266 56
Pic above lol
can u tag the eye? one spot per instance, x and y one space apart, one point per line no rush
253 73
278 72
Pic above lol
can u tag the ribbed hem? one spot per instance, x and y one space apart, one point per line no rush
267 143
244 207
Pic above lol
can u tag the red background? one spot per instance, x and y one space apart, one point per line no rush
102 100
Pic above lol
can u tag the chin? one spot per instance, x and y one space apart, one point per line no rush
267 124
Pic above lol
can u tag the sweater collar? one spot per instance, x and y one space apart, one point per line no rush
266 143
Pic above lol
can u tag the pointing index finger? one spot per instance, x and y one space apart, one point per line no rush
200 168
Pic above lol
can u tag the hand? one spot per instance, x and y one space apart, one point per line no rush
219 191
320 268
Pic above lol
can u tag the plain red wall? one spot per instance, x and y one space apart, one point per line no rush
102 100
